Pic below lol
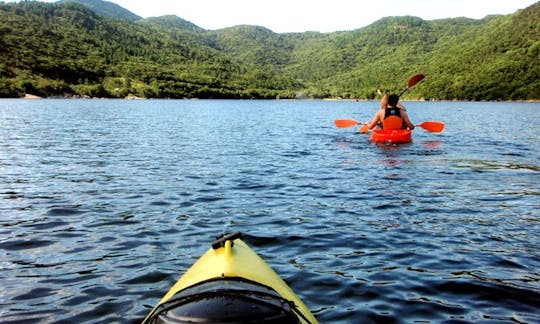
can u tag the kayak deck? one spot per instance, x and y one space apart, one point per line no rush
230 283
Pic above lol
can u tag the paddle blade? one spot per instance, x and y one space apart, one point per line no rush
432 126
344 123
415 79
412 81
364 129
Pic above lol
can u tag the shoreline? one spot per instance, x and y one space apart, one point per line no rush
131 97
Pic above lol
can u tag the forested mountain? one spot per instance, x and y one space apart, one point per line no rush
70 48
107 9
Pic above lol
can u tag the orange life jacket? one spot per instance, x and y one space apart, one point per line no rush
392 118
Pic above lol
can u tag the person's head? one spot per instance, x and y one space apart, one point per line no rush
393 100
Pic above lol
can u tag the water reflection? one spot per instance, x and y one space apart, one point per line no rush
432 144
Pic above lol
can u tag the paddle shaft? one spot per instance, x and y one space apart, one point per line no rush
430 126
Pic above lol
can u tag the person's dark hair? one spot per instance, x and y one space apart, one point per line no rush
393 100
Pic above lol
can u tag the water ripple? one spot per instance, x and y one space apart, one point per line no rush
104 203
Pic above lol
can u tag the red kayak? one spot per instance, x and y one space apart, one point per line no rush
391 136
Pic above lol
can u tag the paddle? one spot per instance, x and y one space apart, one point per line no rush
430 126
412 82
345 123
364 129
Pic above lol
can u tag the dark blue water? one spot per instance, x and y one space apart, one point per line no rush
104 203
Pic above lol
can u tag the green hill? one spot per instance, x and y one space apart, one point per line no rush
70 48
106 9
172 23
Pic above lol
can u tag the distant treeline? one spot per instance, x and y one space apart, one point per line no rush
65 49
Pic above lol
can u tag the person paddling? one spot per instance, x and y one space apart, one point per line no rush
392 115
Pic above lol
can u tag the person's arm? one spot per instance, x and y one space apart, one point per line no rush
384 102
375 120
407 120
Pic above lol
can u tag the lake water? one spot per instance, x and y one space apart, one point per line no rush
105 203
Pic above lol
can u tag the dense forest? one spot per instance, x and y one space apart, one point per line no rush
94 48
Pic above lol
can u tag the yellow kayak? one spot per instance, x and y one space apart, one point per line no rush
230 283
